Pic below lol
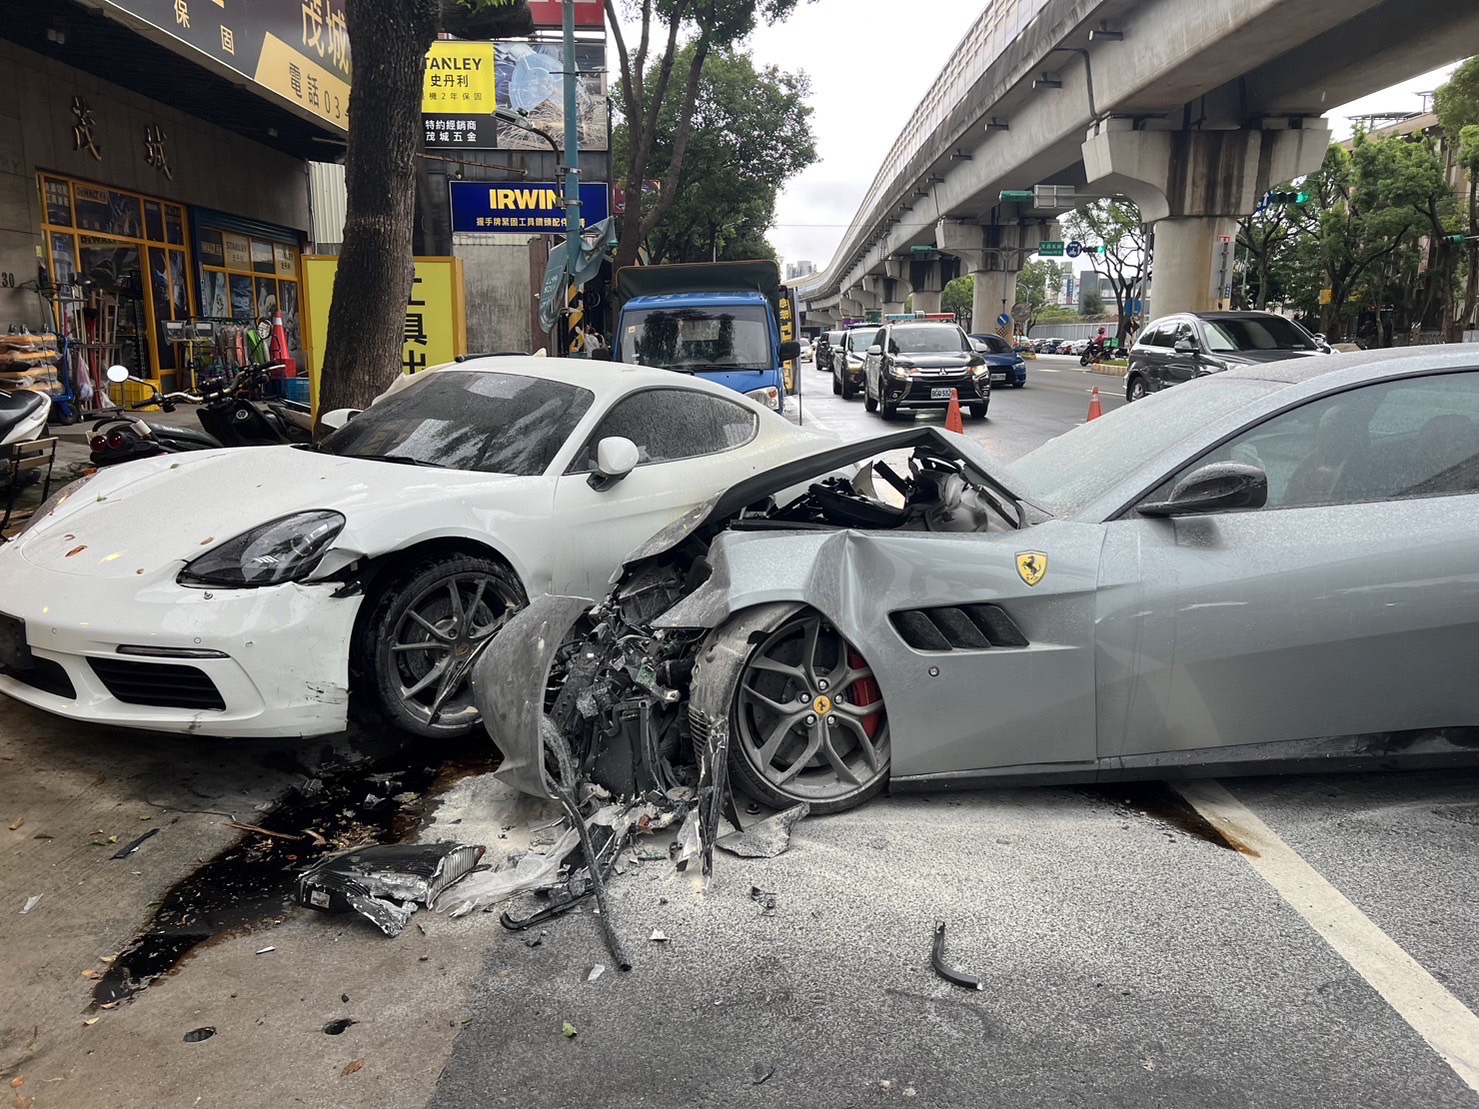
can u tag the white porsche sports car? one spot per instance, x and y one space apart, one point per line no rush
248 592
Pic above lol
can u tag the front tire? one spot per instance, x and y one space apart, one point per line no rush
424 632
977 411
807 720
836 386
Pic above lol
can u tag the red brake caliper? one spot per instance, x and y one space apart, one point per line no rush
865 692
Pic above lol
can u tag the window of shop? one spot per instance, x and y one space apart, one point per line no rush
128 256
249 273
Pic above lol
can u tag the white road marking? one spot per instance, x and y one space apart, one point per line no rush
1435 1014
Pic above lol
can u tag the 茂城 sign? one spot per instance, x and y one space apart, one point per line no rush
523 206
436 321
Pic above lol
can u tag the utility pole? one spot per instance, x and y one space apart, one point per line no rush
572 144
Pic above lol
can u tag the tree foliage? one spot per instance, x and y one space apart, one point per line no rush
669 88
751 132
1115 223
1037 284
959 297
1456 101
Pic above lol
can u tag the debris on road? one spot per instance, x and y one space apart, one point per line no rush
350 1068
569 1030
266 951
658 936
765 899
195 1035
340 1026
16 823
937 958
134 844
386 882
596 972
765 839
31 903
759 1072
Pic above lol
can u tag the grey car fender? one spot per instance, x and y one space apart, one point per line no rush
509 682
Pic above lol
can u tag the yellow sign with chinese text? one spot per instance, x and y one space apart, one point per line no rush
436 321
458 79
306 84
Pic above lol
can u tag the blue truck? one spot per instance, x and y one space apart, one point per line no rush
727 322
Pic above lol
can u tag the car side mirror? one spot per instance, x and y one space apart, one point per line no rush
336 419
616 457
1186 346
790 350
875 349
602 354
1216 487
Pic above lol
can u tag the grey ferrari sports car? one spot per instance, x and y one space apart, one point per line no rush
1274 568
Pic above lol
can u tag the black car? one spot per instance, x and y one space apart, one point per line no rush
827 344
920 365
848 358
1178 348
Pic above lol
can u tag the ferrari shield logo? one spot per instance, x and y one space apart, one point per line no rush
1032 565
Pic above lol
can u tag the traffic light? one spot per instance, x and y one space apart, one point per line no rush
1456 238
1288 196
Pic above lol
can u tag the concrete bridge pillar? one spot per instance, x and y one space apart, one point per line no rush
1193 186
995 293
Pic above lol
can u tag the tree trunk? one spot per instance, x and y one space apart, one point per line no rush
1470 316
362 350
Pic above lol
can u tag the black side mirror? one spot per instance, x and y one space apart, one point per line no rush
601 355
790 350
1186 346
1216 487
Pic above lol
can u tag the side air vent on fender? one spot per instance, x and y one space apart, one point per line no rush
958 628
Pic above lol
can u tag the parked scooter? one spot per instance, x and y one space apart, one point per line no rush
229 416
23 415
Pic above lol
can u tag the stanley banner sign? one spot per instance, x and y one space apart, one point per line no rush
459 91
296 50
523 207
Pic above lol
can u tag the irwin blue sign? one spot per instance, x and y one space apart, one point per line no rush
522 207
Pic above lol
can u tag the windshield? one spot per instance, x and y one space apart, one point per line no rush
928 340
833 338
994 344
859 341
695 339
468 420
1260 333
1077 468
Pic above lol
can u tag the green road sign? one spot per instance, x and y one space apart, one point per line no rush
1050 248
1018 196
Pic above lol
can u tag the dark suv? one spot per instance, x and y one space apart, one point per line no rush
1178 348
919 365
827 344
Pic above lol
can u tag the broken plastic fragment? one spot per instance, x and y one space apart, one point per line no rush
658 936
385 882
266 951
689 842
937 958
596 972
569 1030
767 838
31 903
133 845
532 872
195 1035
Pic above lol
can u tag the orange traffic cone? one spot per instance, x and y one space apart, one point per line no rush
953 422
1095 409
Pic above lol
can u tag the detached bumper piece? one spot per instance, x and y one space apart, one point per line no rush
945 971
386 883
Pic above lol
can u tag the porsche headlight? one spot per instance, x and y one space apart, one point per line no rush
282 550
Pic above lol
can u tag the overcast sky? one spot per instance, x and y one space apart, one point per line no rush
869 69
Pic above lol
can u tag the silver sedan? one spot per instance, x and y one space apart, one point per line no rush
1269 569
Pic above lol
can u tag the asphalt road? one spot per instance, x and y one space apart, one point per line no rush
1055 398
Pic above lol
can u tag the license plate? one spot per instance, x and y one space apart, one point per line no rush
940 394
14 653
999 375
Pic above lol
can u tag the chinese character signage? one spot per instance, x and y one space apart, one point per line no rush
589 14
435 326
458 95
298 50
523 207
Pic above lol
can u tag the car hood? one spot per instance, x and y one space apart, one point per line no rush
946 361
1001 359
1261 357
819 463
132 519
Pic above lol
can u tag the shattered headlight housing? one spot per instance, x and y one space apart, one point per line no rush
282 550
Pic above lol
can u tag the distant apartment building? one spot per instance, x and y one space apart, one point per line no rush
795 271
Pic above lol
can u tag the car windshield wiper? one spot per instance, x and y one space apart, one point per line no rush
402 459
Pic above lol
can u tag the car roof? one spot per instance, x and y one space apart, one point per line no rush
1359 365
